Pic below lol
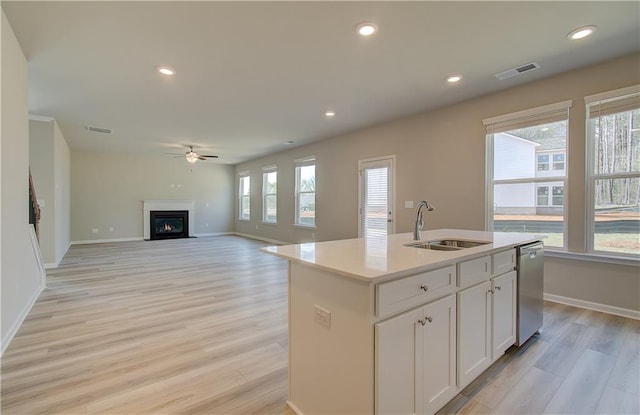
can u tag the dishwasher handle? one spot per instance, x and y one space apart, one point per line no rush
531 250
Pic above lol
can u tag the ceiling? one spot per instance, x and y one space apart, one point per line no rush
253 75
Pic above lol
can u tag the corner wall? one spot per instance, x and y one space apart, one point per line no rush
22 275
107 191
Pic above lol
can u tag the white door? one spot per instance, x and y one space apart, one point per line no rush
376 196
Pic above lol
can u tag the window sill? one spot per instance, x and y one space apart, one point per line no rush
604 258
269 223
243 220
309 227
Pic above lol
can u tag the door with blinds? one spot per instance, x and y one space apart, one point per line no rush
376 196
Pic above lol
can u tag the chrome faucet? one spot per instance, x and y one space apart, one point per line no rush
417 230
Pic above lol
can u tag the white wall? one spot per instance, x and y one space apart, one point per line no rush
22 274
107 191
62 193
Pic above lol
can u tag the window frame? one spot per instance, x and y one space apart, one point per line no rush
298 164
555 112
591 176
242 196
265 194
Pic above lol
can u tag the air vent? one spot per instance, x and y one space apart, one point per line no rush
517 71
99 130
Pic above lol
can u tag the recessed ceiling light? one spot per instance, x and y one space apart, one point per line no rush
366 29
165 70
329 114
289 142
452 79
581 32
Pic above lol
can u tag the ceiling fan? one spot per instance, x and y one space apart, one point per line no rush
192 156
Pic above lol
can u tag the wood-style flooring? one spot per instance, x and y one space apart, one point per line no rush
199 326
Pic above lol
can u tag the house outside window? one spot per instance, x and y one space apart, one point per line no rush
244 199
526 172
613 172
305 192
270 194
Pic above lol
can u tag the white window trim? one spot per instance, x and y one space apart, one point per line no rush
265 170
591 177
242 175
539 114
302 162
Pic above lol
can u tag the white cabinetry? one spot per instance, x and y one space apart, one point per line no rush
416 359
486 313
503 312
474 332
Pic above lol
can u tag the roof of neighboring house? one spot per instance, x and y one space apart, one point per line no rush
551 143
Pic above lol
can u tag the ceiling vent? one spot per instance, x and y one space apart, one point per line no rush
509 73
99 130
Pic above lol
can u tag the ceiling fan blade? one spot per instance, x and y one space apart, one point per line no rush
213 157
201 158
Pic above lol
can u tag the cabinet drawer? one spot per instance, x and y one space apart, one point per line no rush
504 261
413 291
473 271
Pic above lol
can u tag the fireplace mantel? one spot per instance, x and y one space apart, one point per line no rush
149 205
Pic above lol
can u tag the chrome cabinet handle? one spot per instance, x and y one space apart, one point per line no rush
424 321
498 288
424 288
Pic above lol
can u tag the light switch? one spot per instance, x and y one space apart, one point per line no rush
41 203
408 204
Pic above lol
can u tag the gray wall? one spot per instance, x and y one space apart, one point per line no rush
440 157
50 167
107 190
21 273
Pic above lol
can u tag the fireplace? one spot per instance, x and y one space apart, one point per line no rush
169 224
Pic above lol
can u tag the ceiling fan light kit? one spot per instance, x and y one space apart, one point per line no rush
191 156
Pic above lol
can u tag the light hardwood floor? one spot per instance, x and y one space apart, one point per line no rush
199 326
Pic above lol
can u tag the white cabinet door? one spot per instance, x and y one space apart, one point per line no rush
474 332
503 313
436 355
395 372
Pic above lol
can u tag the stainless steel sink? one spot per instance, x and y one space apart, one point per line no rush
446 244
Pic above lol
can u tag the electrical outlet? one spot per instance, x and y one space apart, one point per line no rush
322 316
95 230
408 204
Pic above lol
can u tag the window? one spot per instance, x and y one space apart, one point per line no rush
526 174
543 196
270 194
375 188
306 192
558 162
557 196
543 162
613 171
244 200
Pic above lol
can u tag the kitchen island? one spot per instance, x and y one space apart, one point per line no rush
376 326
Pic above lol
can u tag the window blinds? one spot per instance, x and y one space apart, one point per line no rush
613 102
527 118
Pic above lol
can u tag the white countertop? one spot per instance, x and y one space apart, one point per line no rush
382 258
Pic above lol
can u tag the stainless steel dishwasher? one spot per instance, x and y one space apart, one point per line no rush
530 288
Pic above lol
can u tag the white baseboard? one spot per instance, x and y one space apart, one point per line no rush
16 324
50 265
609 309
260 238
102 241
